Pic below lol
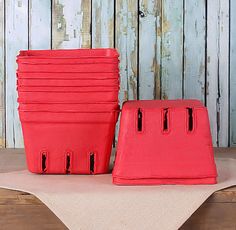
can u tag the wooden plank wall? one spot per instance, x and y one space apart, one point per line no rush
168 49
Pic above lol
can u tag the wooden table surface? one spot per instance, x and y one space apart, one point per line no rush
20 210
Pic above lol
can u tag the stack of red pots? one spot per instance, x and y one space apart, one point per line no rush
68 107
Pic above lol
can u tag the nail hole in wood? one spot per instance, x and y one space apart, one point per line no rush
140 120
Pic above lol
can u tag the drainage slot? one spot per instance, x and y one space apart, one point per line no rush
190 119
92 161
44 161
165 120
140 120
68 163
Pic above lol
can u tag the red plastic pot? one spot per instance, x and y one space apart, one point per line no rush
68 67
67 97
69 107
67 75
75 148
69 53
49 61
164 142
69 116
66 89
68 82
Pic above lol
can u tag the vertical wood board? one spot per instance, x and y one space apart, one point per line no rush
2 76
223 73
71 24
194 49
103 23
172 49
149 26
212 67
232 73
16 39
126 43
39 24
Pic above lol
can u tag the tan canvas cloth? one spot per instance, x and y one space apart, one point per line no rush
92 202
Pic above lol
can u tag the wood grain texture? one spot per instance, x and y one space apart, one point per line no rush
224 73
149 26
39 24
2 76
20 210
194 49
172 49
212 66
71 24
217 216
217 70
16 39
103 23
127 45
232 73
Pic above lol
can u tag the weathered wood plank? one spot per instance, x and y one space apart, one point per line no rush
126 43
212 66
224 74
71 24
217 70
172 49
39 24
16 39
103 23
2 76
216 216
232 73
194 49
149 47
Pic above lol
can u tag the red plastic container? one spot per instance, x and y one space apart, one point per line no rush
68 82
49 61
66 89
75 148
67 97
105 68
67 75
69 107
69 53
69 116
164 142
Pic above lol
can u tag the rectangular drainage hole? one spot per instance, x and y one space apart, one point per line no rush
190 119
140 120
44 162
68 163
165 120
92 162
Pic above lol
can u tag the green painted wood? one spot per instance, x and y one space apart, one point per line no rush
232 73
194 49
149 68
16 39
172 49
